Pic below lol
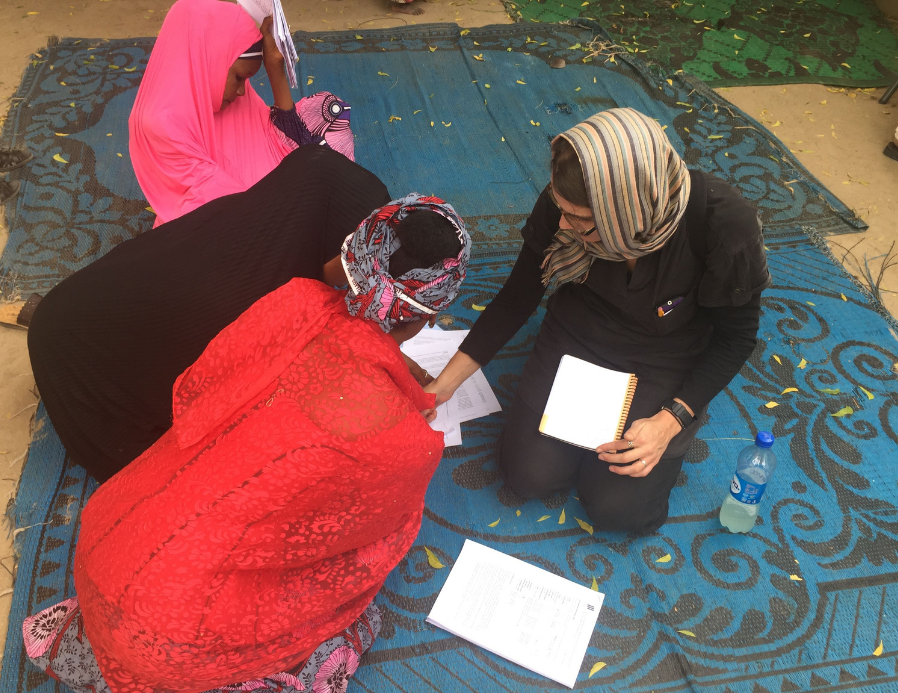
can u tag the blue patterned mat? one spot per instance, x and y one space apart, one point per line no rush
799 604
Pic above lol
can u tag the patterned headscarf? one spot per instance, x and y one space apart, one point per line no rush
327 118
419 293
638 188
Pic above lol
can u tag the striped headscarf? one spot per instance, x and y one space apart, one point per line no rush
419 293
638 188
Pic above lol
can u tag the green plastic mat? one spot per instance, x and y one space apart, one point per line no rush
847 43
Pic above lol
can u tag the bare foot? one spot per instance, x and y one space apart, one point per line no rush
405 8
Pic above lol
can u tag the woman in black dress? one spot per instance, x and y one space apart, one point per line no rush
108 342
659 272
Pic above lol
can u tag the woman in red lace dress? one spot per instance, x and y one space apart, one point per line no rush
247 544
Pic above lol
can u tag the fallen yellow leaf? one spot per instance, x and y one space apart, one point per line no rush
62 134
478 57
664 559
493 524
844 297
544 517
431 123
383 74
598 666
32 13
478 308
487 86
805 35
771 405
585 526
823 103
796 578
670 81
878 650
777 359
810 304
829 390
687 632
866 392
595 585
737 37
789 389
358 37
845 65
130 69
465 32
311 79
561 517
517 512
150 210
520 81
392 118
844 411
577 89
802 364
432 559
432 48
535 124
58 157
574 47
118 153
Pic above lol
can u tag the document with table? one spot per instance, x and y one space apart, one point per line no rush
518 611
431 349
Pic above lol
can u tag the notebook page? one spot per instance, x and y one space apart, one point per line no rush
585 403
531 617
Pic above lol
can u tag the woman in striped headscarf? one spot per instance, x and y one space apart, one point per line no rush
657 270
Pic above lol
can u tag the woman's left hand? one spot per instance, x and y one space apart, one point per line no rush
642 445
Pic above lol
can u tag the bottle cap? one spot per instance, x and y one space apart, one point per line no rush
764 439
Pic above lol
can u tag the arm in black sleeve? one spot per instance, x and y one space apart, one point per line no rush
289 122
732 342
523 290
509 310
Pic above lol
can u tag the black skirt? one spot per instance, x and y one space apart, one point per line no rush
108 343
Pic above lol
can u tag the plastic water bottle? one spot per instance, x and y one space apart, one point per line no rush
754 468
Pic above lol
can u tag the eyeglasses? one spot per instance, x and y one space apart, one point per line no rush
583 225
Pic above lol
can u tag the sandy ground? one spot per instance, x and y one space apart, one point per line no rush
837 134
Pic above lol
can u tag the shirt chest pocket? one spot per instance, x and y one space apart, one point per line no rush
674 311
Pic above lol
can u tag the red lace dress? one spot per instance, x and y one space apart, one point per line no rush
268 517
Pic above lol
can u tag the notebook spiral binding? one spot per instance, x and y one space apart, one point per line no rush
625 411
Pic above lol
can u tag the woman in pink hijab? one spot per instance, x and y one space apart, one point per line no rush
198 130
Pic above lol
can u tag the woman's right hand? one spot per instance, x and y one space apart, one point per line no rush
443 393
458 370
271 56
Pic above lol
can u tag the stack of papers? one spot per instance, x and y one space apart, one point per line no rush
431 349
259 10
518 611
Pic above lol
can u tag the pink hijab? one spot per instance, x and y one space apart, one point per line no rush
184 149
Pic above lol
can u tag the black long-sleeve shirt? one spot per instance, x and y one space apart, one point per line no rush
715 261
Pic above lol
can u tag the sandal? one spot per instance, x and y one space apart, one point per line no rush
11 159
19 313
8 190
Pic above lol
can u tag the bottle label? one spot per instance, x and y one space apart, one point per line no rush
746 492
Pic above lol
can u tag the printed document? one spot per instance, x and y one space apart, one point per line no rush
431 349
259 10
518 611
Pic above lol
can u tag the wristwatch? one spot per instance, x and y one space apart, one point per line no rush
680 413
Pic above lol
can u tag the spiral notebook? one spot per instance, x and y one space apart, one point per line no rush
588 404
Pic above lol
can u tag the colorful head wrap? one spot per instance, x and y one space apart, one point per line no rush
327 118
638 188
374 294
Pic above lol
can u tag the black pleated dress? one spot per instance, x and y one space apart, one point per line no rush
108 342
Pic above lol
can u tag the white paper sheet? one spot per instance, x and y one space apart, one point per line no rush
259 10
447 422
434 347
518 611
